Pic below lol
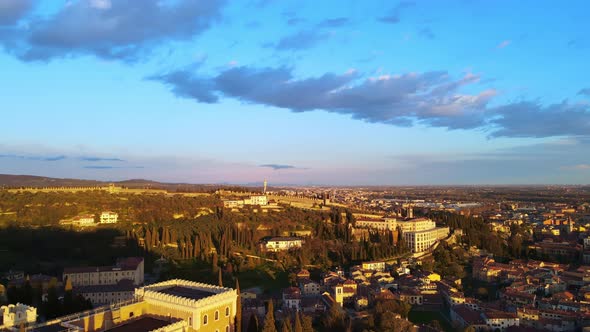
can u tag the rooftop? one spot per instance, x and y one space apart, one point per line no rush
283 238
124 285
186 292
122 264
145 323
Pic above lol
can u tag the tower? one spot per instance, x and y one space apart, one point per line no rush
410 213
264 190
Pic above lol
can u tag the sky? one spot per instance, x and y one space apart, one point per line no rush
297 92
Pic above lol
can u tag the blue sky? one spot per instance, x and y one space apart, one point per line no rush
299 92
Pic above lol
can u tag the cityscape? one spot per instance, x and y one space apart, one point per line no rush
294 166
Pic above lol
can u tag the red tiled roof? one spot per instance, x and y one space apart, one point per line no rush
470 316
500 315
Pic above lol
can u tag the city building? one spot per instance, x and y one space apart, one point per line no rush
233 203
106 294
108 217
292 298
416 225
169 306
500 320
16 314
376 223
310 287
419 233
261 200
256 200
125 268
421 239
281 243
84 220
373 266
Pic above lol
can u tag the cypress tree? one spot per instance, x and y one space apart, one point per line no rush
298 327
238 308
214 265
269 319
253 323
306 323
286 327
148 238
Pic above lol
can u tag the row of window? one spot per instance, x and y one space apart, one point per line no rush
206 317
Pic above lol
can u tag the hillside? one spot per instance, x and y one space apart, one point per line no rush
16 181
7 180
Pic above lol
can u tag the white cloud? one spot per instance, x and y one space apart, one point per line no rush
101 4
504 44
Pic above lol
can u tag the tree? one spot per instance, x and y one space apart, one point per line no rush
52 306
68 297
286 327
298 327
214 262
220 277
335 318
436 325
269 319
253 323
482 292
306 323
292 279
469 328
396 306
387 321
238 323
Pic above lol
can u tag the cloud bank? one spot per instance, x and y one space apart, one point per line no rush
105 28
431 98
277 167
13 10
393 16
33 157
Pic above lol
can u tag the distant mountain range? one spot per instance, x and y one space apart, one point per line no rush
12 181
7 180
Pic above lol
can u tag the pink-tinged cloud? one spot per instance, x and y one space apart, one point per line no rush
504 43
582 167
579 167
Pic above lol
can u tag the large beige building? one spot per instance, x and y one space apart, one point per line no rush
415 225
418 233
261 200
107 284
281 243
106 294
376 223
169 306
131 268
256 200
421 233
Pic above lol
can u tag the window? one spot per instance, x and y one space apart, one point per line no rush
227 329
216 314
226 311
205 320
